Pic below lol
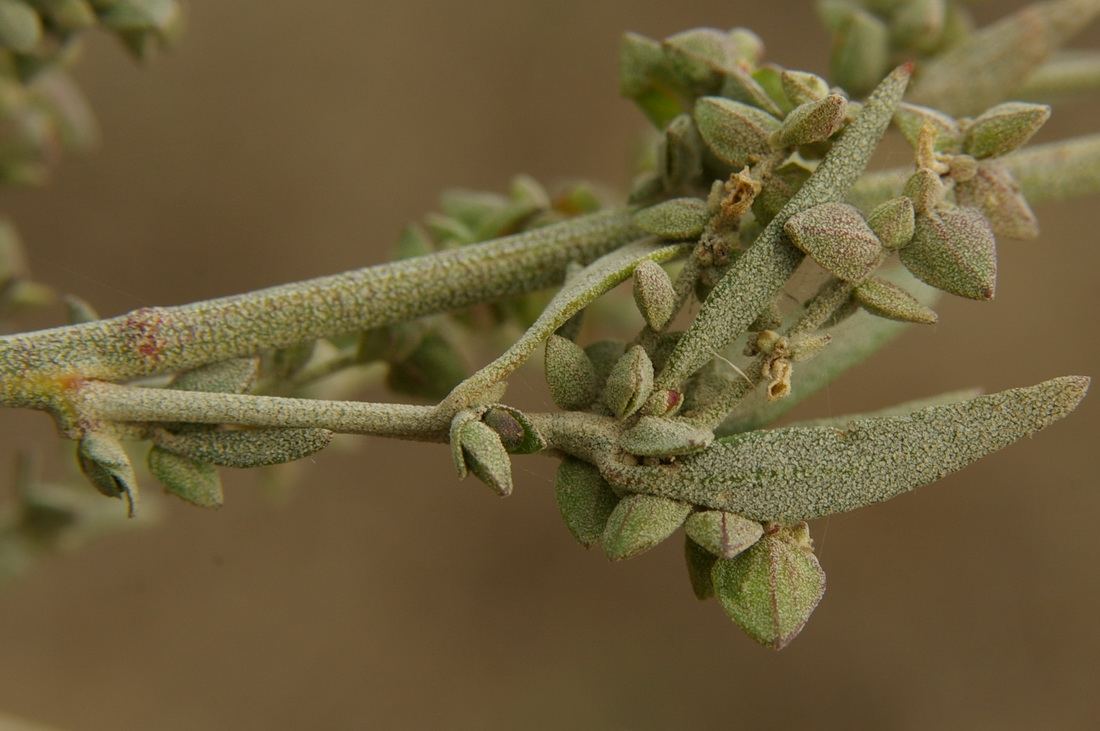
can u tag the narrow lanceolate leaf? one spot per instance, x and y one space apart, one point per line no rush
640 522
733 131
756 277
1004 128
104 462
988 65
584 499
885 299
679 219
836 237
954 250
246 447
193 481
569 374
771 589
800 473
723 534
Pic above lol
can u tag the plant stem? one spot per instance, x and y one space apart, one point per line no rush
158 340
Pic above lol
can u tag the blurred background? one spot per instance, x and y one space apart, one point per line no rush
285 140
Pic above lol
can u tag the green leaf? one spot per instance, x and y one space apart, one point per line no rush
640 522
953 249
1004 128
228 376
995 192
800 473
721 533
654 294
771 589
244 448
812 121
860 54
630 383
885 299
679 219
734 132
699 561
516 431
484 454
193 481
569 374
836 237
105 463
584 499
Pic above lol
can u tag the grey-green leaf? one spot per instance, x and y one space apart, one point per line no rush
640 522
771 589
630 383
570 374
722 533
800 473
679 219
196 482
733 131
246 447
885 299
953 249
1004 128
836 237
584 499
655 436
486 456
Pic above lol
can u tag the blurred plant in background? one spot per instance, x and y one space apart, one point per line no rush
757 177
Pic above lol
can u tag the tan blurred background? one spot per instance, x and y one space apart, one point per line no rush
284 140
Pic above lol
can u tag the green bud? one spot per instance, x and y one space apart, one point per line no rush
679 219
20 26
801 86
654 294
700 562
925 189
484 454
918 24
569 374
640 522
736 133
629 383
585 500
836 237
994 191
910 118
105 463
701 57
516 431
861 55
681 154
771 589
813 121
244 448
195 482
655 436
953 249
1004 128
228 376
893 222
886 299
722 533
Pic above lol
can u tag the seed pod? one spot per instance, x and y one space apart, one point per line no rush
801 86
721 533
861 55
953 249
771 589
654 294
483 454
584 499
679 219
20 26
836 237
700 562
655 436
736 133
886 299
245 448
569 374
892 222
630 383
193 481
994 191
812 121
640 522
104 462
1004 128
700 57
516 432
